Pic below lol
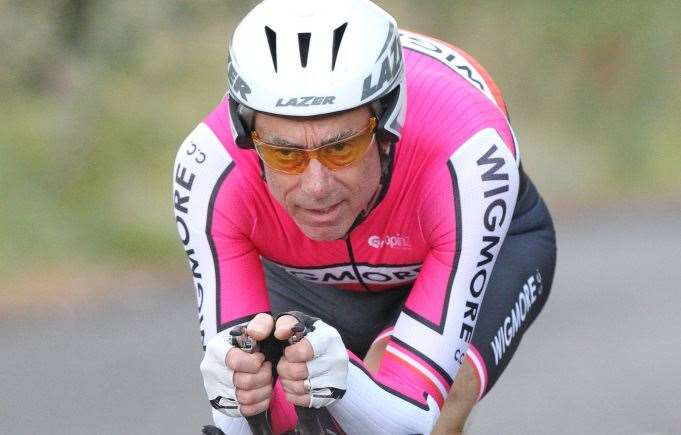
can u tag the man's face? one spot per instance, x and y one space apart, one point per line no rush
322 202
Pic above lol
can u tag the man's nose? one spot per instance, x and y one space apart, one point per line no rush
316 180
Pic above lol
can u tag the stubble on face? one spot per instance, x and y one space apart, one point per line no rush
323 203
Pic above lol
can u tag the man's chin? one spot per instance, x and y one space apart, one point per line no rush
323 233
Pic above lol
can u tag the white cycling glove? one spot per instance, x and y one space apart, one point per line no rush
328 370
218 377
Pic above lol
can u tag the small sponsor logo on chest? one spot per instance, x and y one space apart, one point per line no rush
396 241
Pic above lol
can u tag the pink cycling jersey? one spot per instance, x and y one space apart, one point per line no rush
439 228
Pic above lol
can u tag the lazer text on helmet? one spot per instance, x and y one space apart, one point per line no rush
390 69
239 86
306 101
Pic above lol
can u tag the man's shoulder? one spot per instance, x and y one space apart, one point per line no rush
212 141
427 56
450 98
211 168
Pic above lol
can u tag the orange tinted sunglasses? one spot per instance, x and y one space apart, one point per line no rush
335 155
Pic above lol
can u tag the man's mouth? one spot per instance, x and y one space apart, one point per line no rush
323 210
321 216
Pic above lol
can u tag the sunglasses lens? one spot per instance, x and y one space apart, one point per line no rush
334 156
286 160
342 154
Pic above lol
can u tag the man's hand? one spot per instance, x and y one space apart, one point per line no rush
292 368
252 374
238 383
313 371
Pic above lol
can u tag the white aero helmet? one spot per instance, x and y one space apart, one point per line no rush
316 57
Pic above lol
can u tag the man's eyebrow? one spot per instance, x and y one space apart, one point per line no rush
280 141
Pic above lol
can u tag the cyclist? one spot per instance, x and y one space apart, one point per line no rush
365 180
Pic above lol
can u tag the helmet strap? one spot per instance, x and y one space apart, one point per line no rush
242 119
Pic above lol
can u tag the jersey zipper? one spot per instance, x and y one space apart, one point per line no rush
348 243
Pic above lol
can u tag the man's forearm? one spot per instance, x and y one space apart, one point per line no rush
460 402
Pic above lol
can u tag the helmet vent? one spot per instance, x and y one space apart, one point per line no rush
304 45
337 38
272 41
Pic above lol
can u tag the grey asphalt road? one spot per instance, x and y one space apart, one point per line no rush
603 358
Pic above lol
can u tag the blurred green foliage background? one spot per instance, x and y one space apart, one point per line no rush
97 96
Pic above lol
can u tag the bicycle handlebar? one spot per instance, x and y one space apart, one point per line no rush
258 423
308 418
